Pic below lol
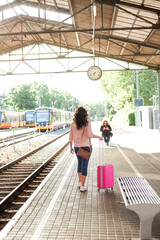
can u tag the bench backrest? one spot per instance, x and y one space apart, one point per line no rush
136 190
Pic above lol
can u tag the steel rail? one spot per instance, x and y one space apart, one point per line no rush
6 166
25 183
19 136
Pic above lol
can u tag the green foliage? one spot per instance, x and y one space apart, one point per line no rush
41 91
131 119
96 111
148 86
120 88
21 98
63 100
29 96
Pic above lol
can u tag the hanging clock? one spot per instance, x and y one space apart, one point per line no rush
94 73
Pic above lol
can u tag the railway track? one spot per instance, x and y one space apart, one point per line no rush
17 138
19 178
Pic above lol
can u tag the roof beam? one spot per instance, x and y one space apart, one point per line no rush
128 4
155 26
73 20
35 5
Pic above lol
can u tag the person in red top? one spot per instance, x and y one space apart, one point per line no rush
106 131
81 134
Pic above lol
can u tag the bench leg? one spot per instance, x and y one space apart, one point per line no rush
146 227
146 214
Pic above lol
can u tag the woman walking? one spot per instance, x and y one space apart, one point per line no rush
81 134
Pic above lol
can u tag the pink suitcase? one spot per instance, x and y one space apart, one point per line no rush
105 176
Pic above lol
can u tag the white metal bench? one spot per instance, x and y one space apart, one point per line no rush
140 197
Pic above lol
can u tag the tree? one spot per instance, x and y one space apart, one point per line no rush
119 87
28 96
41 90
148 86
57 98
96 111
21 98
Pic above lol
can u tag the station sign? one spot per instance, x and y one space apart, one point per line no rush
137 102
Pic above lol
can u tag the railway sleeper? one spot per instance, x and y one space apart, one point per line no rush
24 196
16 204
44 173
36 181
20 174
40 177
27 191
4 220
49 168
12 183
4 193
11 211
31 187
16 178
6 188
20 170
13 207
22 166
21 198
8 183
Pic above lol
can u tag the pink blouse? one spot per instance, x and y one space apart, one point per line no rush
76 135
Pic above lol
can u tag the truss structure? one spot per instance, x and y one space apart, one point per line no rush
112 30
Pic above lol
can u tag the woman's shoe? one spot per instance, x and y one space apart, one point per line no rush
79 184
83 188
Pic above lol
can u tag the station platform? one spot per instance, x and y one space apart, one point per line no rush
57 210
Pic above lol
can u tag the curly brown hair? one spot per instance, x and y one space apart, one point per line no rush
105 121
81 117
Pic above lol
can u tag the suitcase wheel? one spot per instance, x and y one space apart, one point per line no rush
112 188
98 189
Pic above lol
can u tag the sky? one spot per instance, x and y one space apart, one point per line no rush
78 84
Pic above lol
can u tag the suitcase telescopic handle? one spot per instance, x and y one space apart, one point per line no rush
101 151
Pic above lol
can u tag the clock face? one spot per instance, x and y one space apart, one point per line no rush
94 73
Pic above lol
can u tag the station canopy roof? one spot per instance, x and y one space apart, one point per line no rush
127 30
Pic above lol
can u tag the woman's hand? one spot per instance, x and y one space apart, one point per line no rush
71 150
101 138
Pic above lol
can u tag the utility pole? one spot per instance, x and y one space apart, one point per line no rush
158 80
39 101
137 78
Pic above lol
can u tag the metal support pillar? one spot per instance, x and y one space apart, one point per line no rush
158 78
137 78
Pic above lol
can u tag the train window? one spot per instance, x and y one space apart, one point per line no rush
42 116
3 118
55 116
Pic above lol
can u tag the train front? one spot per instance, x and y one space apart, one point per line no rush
30 118
43 119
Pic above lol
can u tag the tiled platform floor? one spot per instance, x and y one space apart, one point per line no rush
59 211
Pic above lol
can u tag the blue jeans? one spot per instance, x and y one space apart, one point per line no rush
106 138
82 163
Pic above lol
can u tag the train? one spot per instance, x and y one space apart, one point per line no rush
9 119
30 118
44 118
52 118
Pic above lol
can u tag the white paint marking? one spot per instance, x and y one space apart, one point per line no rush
17 216
48 212
130 163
